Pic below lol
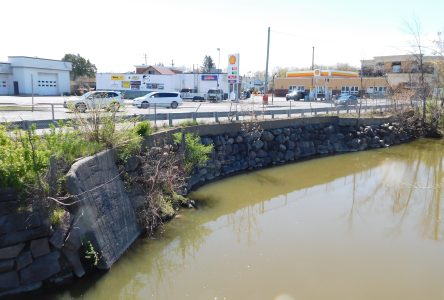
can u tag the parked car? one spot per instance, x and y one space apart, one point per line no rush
215 95
192 94
95 99
246 94
159 99
347 99
295 95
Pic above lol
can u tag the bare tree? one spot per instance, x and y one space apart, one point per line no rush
414 28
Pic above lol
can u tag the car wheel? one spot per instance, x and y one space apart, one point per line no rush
174 104
81 107
145 105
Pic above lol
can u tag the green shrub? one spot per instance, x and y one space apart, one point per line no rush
57 216
196 154
188 123
144 128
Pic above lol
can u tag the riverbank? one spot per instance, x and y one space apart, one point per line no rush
103 220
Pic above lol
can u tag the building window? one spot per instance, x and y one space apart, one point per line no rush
396 67
299 88
350 90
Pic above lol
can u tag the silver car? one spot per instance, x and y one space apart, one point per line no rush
159 99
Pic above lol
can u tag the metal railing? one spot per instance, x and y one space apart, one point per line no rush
170 118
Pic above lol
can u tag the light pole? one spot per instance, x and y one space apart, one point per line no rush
218 68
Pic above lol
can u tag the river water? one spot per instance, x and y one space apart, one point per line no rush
365 225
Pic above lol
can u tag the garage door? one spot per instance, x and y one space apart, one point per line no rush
47 84
3 84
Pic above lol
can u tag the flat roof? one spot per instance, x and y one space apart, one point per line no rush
35 57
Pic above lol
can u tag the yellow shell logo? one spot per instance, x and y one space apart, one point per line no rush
232 59
317 72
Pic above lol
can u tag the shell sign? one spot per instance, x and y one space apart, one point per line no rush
233 68
232 60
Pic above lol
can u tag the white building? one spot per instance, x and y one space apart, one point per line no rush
162 82
23 75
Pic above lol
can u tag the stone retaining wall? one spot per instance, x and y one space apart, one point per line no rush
32 252
273 143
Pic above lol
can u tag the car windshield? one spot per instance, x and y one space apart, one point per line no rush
344 97
214 91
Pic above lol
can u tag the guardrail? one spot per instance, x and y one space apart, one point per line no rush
232 115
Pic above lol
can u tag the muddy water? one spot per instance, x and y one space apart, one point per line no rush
357 226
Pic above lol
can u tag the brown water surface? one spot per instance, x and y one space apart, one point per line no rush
358 226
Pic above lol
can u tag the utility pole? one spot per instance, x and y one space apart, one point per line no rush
313 58
172 63
146 58
266 67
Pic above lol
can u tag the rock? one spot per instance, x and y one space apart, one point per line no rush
8 194
282 148
277 132
329 129
258 144
39 247
206 141
294 137
230 141
6 265
281 138
322 149
73 241
24 259
61 279
23 236
74 260
239 139
289 155
287 131
9 280
262 154
132 163
291 145
58 237
228 149
8 207
267 136
203 172
12 251
252 155
22 289
42 268
18 222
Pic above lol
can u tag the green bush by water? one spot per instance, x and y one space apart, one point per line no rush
196 154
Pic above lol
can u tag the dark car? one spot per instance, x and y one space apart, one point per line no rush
346 99
295 95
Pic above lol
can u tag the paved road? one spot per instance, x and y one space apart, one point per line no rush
43 108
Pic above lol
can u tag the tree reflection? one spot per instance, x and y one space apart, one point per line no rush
413 180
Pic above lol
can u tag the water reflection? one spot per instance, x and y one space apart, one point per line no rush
338 222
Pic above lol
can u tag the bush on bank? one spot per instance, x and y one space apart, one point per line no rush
25 155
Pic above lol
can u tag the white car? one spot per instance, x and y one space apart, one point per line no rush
95 99
159 99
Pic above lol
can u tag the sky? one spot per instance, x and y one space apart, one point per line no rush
116 35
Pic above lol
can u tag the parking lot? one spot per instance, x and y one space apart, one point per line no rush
14 108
